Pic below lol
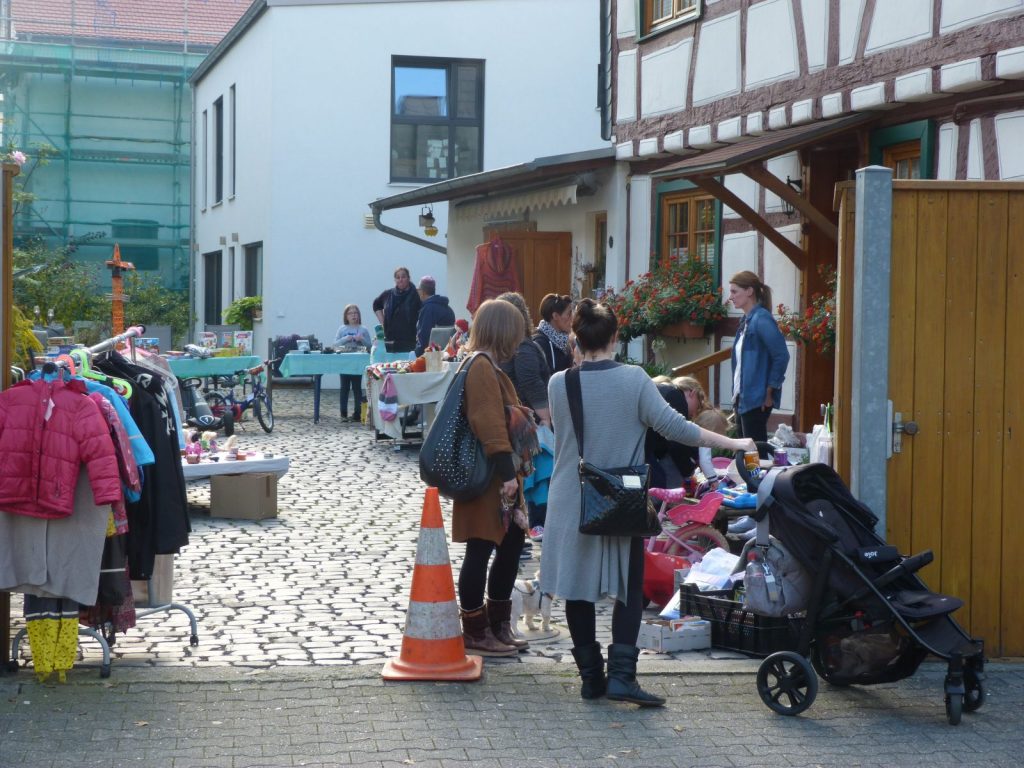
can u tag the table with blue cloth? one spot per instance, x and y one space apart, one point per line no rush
201 368
341 364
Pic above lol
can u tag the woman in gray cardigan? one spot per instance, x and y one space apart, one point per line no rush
619 403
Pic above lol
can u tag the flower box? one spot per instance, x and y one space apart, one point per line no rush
683 329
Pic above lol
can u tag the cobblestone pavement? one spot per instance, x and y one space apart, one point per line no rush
517 716
327 581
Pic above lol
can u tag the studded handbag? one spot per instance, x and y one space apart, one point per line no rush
613 502
451 457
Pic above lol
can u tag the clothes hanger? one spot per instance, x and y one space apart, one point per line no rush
85 370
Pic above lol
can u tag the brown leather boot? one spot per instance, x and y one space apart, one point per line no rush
499 616
478 638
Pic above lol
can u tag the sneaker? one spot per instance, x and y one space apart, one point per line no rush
537 533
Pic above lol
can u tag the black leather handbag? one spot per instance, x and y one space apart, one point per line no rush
451 458
613 502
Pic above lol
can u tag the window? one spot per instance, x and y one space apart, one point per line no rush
218 150
594 282
436 118
688 227
904 159
659 14
254 269
231 274
234 154
213 285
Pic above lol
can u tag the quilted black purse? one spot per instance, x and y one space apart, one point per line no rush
613 502
451 458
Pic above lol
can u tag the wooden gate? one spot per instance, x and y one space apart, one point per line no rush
956 370
544 262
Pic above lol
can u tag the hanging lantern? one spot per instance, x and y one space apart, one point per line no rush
427 221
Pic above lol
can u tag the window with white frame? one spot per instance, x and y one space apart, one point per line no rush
437 108
658 14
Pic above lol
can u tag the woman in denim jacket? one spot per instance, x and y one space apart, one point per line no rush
759 356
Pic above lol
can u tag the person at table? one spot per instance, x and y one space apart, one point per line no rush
398 309
352 336
434 313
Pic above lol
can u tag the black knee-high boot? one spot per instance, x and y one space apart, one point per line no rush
591 665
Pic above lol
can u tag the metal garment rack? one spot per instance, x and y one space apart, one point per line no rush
107 640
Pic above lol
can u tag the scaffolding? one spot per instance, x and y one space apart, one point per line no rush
110 94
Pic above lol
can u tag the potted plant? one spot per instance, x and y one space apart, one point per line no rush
679 297
243 311
815 326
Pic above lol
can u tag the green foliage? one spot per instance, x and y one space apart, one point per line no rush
652 368
150 303
37 155
56 283
241 311
25 342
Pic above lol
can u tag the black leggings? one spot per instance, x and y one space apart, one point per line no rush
503 572
754 424
626 616
354 383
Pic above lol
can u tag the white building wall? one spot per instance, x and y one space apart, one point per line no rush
771 43
325 133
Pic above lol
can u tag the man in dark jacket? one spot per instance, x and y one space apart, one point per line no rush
435 312
397 310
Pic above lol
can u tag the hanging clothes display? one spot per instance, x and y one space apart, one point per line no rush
494 273
158 522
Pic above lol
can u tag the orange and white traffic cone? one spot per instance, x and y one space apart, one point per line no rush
432 648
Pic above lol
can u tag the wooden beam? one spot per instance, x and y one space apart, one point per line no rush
787 246
700 368
774 184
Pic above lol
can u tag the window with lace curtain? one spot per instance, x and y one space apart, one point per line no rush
688 227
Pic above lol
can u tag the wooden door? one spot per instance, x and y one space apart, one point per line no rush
543 262
956 363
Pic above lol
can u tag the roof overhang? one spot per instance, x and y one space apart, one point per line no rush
542 173
705 171
734 157
541 183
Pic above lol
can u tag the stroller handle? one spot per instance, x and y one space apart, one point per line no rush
765 451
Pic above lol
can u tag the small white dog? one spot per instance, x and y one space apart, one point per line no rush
528 601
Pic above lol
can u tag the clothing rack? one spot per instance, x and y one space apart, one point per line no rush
10 664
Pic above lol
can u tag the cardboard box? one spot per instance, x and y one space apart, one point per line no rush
686 634
244 497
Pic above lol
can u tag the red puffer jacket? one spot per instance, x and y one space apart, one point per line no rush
47 430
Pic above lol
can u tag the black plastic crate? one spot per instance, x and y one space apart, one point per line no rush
736 629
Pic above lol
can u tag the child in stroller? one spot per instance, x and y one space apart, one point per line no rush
869 618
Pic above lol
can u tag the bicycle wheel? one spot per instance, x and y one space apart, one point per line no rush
704 538
218 404
264 413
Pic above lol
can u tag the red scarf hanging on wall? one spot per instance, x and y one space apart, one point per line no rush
494 273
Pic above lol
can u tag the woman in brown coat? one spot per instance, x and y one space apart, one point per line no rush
486 628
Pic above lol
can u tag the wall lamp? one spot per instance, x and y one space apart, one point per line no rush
797 185
427 221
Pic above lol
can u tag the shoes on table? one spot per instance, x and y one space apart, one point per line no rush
527 552
742 524
537 533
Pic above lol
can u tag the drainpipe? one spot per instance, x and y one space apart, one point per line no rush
404 235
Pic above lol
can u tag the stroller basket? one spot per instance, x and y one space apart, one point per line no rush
736 629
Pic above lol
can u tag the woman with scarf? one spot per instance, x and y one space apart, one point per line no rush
397 309
553 332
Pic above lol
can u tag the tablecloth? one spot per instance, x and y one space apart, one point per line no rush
412 389
257 463
189 367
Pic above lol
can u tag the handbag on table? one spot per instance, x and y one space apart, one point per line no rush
452 459
613 502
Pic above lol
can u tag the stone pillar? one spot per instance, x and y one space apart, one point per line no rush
640 219
870 428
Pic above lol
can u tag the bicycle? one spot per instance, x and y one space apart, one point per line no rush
258 399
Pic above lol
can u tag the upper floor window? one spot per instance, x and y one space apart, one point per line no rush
688 227
662 13
436 118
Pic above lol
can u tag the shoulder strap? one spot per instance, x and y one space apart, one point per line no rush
575 396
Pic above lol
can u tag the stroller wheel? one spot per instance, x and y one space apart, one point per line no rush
787 683
954 707
974 693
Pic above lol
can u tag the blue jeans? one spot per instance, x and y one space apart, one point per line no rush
355 383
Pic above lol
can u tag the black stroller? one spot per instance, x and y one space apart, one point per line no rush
869 618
